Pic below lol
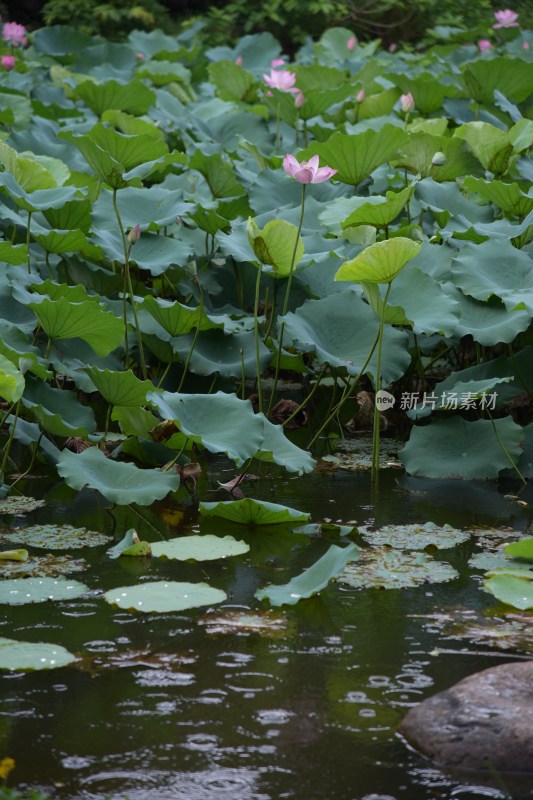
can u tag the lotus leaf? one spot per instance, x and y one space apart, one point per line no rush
381 262
48 566
26 656
161 596
64 320
20 591
278 245
56 537
120 388
454 448
384 568
415 537
252 512
511 585
522 549
11 381
313 580
120 483
199 548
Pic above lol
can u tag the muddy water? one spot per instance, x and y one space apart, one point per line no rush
161 707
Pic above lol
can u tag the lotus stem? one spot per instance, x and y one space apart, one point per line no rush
256 332
295 250
127 280
196 334
377 413
276 372
505 450
346 393
10 439
308 398
28 241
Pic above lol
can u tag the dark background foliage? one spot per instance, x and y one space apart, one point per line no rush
291 21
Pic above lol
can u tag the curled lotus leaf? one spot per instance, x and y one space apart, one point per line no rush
20 591
19 506
356 454
47 566
415 537
199 548
252 512
20 656
386 568
161 596
57 537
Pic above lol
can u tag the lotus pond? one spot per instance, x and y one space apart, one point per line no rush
214 265
247 700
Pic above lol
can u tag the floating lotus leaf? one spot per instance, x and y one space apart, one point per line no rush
511 585
57 537
383 568
265 623
119 482
490 561
96 663
199 548
415 537
161 596
326 530
19 506
252 512
19 591
522 549
19 656
313 580
493 538
48 566
512 633
130 545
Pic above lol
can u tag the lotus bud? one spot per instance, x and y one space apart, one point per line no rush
438 160
238 61
360 96
25 364
407 103
351 44
299 100
8 62
134 235
484 45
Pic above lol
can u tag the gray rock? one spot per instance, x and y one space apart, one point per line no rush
484 722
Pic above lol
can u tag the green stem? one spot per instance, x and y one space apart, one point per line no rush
346 393
309 396
276 372
295 250
243 376
126 250
377 412
195 337
32 461
167 368
10 440
256 333
507 453
28 241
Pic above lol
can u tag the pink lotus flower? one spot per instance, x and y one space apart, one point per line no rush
238 61
351 44
484 45
307 171
393 47
506 19
281 79
277 62
525 45
14 34
8 62
407 103
299 100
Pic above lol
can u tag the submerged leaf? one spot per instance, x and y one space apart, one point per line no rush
47 566
415 537
20 506
57 537
384 568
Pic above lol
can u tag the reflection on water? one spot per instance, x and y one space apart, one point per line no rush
163 708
